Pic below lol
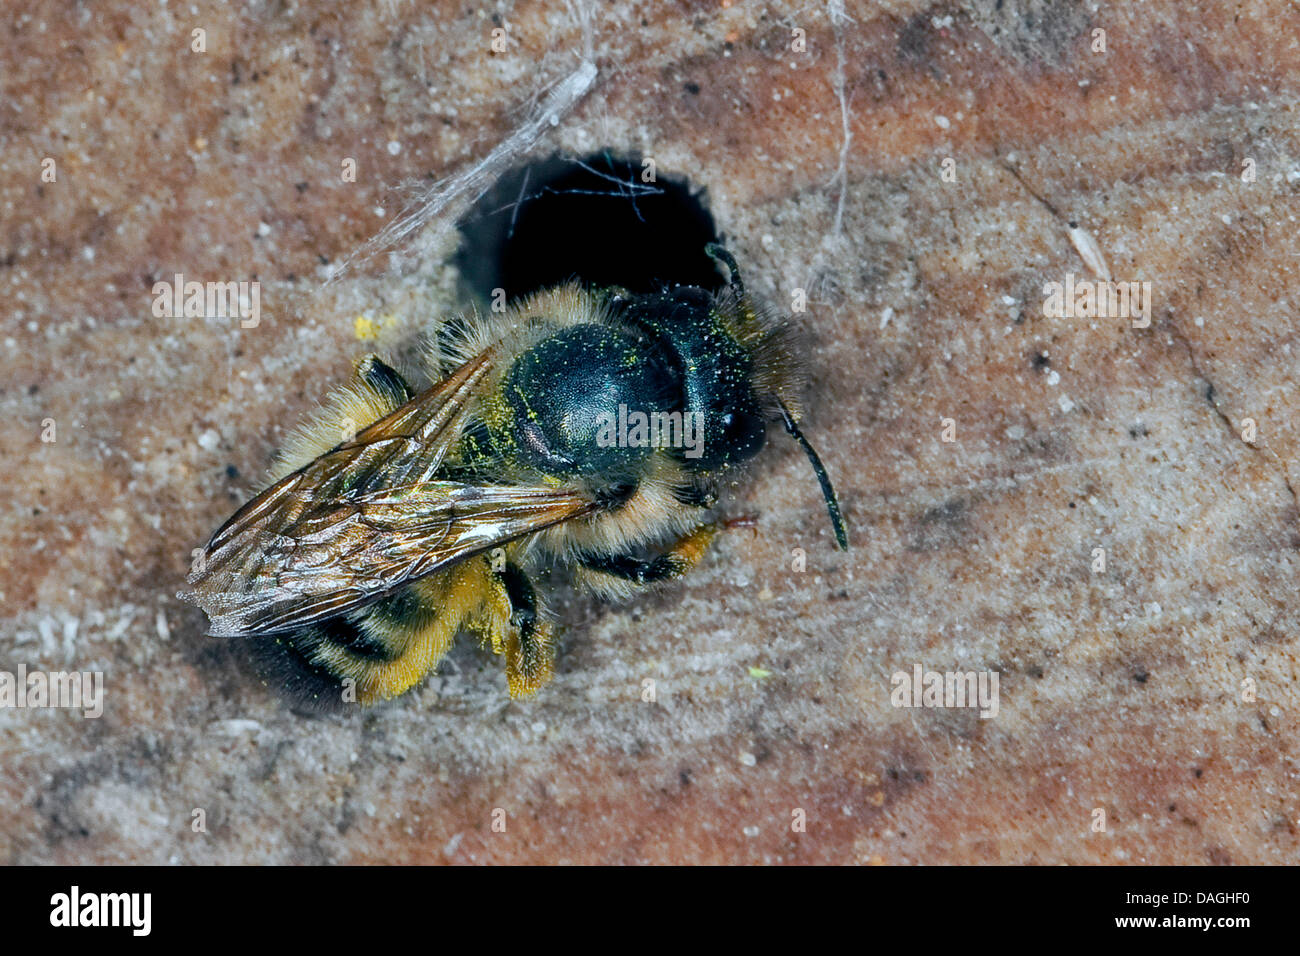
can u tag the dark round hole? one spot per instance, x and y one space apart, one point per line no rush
592 218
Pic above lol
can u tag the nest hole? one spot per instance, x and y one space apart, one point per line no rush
604 219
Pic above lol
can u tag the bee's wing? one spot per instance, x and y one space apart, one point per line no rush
364 519
342 554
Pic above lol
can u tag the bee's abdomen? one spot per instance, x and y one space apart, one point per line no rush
379 651
313 663
349 636
288 661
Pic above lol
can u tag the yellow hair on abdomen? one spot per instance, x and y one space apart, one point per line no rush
342 413
448 601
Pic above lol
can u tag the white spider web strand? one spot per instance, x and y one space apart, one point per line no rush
455 194
838 18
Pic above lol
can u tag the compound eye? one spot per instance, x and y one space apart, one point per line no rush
742 435
732 436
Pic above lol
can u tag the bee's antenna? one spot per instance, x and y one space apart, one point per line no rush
718 254
832 503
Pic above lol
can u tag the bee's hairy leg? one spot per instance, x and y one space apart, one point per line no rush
518 630
682 555
384 379
699 494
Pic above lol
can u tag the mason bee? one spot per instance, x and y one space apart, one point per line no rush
585 428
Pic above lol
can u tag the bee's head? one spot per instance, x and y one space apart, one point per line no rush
683 372
596 399
734 373
716 375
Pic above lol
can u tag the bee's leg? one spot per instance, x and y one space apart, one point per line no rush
681 556
517 629
384 380
697 494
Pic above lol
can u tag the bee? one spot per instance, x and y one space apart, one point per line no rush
536 447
